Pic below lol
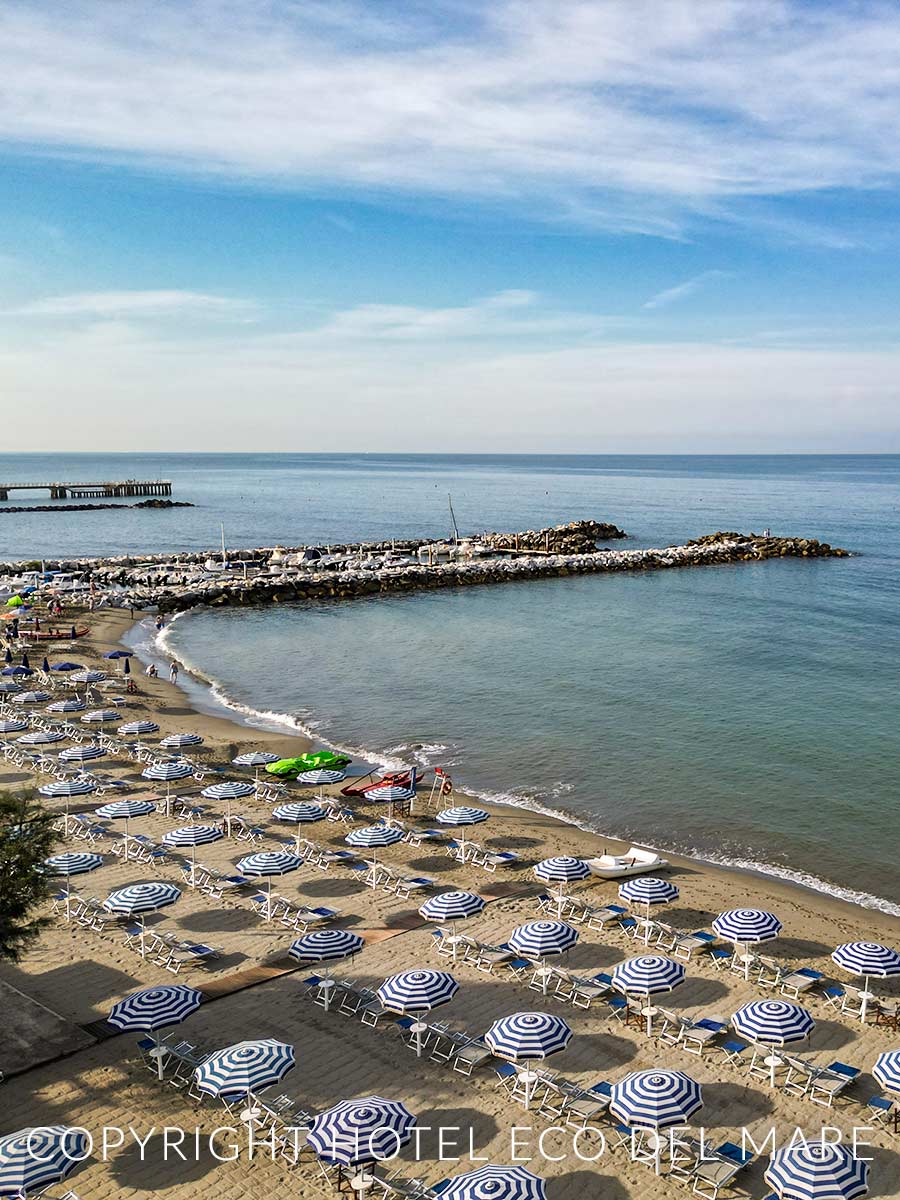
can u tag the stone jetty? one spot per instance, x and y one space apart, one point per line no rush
176 585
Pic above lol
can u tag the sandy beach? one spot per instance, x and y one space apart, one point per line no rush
254 990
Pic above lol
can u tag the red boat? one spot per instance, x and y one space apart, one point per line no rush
393 779
53 635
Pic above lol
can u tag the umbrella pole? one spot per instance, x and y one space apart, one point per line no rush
647 926
142 936
865 999
126 858
159 1057
559 901
545 976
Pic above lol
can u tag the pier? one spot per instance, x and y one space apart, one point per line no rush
93 491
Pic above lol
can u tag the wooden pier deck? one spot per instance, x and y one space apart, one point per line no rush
93 491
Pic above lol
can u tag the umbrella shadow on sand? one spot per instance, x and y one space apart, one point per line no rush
135 1167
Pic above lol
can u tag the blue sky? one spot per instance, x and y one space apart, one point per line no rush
608 225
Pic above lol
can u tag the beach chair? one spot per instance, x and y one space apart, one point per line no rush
887 1013
687 944
584 1107
881 1110
799 981
734 1051
828 1083
503 858
852 1002
719 1172
696 1035
470 1056
487 958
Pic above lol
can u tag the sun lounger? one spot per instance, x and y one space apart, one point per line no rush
504 858
801 980
719 1171
829 1082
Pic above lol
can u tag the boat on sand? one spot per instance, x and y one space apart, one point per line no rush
618 866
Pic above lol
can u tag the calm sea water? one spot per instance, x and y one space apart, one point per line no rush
748 713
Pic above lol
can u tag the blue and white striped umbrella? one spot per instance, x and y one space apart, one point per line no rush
82 754
193 835
655 1099
68 787
371 837
66 706
8 688
139 898
817 1170
137 727
321 776
869 959
255 758
176 741
87 676
233 790
495 1183
773 1023
323 945
647 889
452 906
747 926
389 794
361 1130
31 1159
42 737
541 939
100 716
124 810
562 869
299 812
245 1067
887 1070
31 698
13 725
648 975
528 1037
417 992
73 863
164 772
269 862
462 815
155 1007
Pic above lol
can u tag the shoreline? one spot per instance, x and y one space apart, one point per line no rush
227 712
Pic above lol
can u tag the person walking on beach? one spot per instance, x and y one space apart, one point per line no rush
173 672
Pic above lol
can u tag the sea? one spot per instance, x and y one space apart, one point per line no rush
745 714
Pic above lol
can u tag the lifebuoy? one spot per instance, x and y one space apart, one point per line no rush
446 787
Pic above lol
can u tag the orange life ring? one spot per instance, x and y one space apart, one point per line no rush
446 787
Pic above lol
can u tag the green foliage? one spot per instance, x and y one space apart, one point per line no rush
26 839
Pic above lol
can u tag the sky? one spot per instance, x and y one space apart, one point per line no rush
515 225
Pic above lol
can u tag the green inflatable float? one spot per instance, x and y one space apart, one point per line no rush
322 760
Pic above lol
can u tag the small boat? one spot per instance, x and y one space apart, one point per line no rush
619 866
371 781
53 635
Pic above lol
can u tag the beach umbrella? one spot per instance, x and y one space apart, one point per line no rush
245 1068
45 666
151 1009
322 777
72 863
495 1183
561 870
326 945
67 666
390 794
461 816
299 814
452 907
541 940
31 698
13 671
526 1038
655 1099
746 927
12 725
82 753
360 1130
25 660
124 810
126 667
374 837
99 716
868 959
268 864
118 654
66 706
167 772
648 890
817 1170
33 1159
887 1070
773 1023
7 657
42 737
140 898
193 836
68 787
232 790
255 759
87 676
417 992
177 741
7 687
648 975
132 728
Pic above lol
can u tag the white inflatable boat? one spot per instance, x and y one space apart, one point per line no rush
618 866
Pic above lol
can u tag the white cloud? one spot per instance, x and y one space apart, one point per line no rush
135 304
681 291
625 113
